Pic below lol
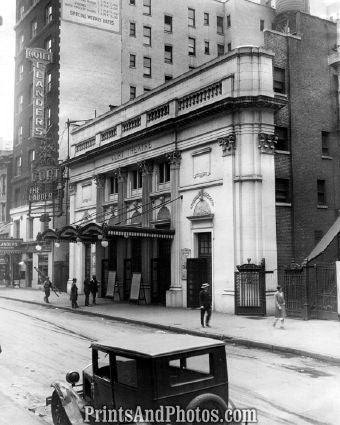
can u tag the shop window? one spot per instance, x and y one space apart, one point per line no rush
167 23
132 92
321 192
147 67
147 36
325 143
192 46
164 172
34 28
279 80
282 191
191 17
206 18
147 7
206 48
132 29
282 142
220 49
48 14
220 25
168 54
43 266
132 61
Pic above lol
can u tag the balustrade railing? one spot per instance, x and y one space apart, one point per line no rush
85 144
157 113
200 96
112 132
131 124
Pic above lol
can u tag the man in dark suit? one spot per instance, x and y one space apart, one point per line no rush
205 305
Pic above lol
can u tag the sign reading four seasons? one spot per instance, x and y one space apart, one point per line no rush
40 59
101 14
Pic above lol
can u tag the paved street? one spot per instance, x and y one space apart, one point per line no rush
40 345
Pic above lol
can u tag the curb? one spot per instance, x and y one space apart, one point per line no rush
222 337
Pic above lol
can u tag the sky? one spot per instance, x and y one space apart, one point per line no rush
7 49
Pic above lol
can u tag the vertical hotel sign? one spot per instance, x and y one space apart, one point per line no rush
40 59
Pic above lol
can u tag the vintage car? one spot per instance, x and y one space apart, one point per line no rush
145 371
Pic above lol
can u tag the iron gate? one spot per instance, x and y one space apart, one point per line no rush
250 290
311 291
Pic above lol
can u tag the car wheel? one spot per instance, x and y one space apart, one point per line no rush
58 413
209 402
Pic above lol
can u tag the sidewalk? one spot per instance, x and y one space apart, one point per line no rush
314 338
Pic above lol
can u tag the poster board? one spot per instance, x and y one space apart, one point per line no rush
135 286
111 282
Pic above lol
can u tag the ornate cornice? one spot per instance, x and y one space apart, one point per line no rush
228 144
267 142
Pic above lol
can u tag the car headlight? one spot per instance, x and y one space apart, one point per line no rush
72 377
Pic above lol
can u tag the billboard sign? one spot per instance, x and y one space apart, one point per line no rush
100 14
40 59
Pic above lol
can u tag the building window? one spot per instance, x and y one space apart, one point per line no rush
321 192
48 82
228 21
168 77
3 212
164 172
261 24
206 18
113 186
3 184
192 46
282 192
30 222
168 54
20 102
30 127
48 117
48 44
167 23
21 72
220 25
21 41
279 80
132 61
132 2
132 92
34 28
229 47
48 14
282 142
136 181
325 143
30 93
17 166
132 29
31 156
147 7
207 48
220 49
147 36
191 17
16 201
19 138
147 67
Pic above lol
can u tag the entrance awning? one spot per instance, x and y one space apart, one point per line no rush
93 232
325 241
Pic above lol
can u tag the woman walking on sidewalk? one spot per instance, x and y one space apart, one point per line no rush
280 307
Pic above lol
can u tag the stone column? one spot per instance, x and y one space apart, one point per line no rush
100 180
72 259
121 175
174 296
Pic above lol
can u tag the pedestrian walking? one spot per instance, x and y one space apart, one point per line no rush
74 293
94 288
87 291
205 305
47 289
280 307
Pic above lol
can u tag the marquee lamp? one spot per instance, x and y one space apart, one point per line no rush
57 244
38 247
104 243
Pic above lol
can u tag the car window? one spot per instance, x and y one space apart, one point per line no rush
126 371
103 365
188 369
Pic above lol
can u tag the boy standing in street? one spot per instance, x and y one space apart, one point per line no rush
205 305
94 288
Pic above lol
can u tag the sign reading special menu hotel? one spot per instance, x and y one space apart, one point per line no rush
101 14
40 59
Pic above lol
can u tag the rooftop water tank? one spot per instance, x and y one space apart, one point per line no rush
284 6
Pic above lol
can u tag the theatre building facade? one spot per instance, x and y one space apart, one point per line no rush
177 187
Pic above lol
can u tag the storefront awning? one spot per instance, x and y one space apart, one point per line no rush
325 241
93 232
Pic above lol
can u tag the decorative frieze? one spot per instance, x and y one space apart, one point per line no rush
267 142
174 157
228 144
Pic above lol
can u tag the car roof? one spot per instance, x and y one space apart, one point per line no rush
155 344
